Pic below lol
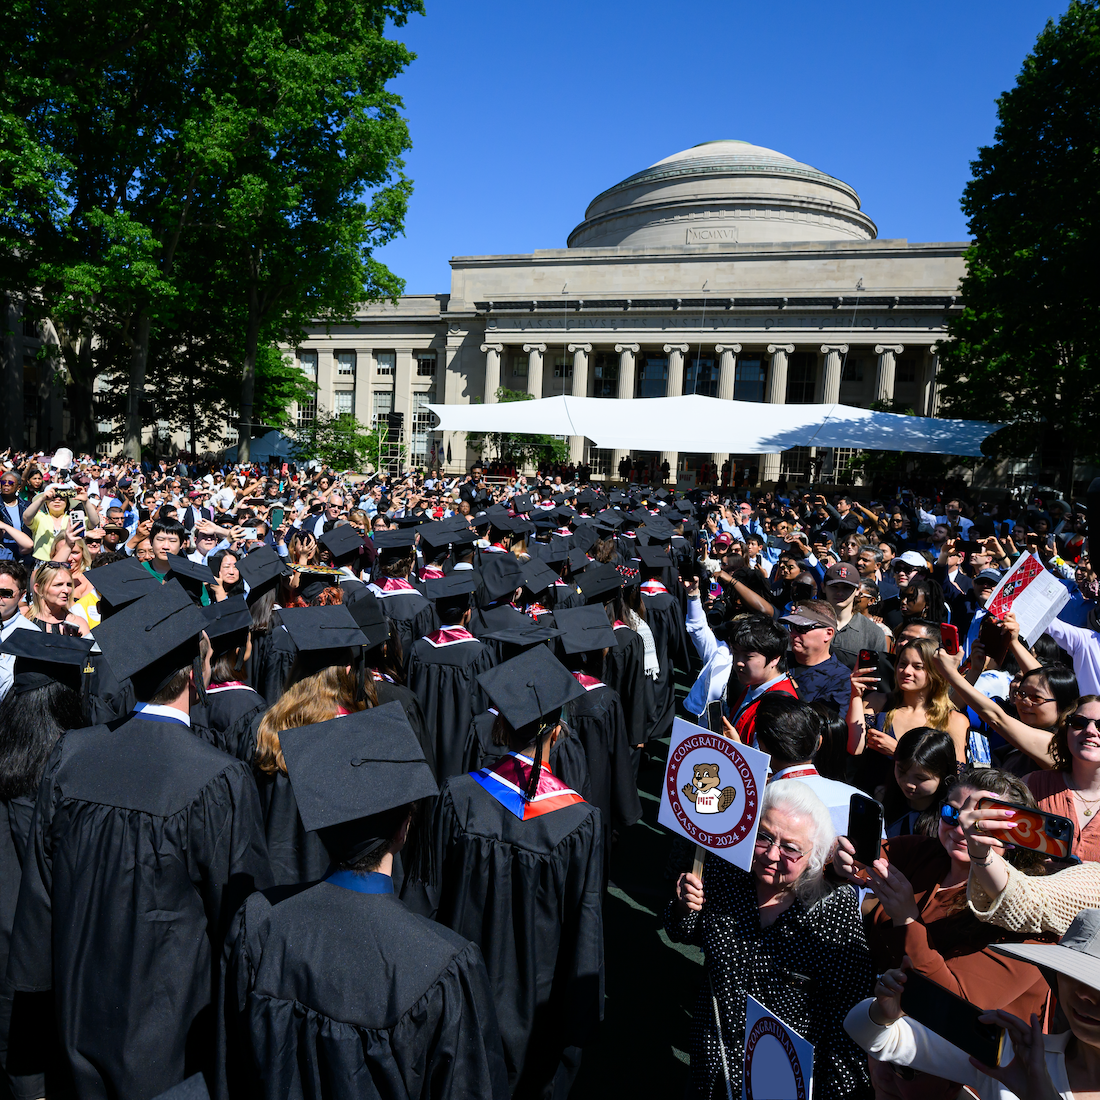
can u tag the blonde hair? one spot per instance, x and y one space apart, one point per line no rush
939 707
38 607
313 699
80 544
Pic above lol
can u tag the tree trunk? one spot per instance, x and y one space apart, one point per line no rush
139 360
248 381
12 431
81 399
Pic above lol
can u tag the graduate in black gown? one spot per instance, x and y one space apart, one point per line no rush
336 990
145 841
231 707
668 625
520 866
322 685
46 698
442 670
596 720
268 663
400 600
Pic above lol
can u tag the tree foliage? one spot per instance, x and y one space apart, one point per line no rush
340 442
516 448
1025 348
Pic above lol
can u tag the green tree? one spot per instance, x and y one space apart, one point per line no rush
519 448
1025 348
339 442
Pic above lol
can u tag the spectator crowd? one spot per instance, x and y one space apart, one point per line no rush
313 782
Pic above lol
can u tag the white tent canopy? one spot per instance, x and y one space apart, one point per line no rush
697 424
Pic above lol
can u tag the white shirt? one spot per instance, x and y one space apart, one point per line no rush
837 796
7 660
164 712
1083 645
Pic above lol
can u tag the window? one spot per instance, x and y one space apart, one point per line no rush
307 360
425 364
605 374
345 403
906 371
802 379
701 375
381 407
842 459
563 366
651 377
520 363
420 444
748 378
345 364
386 361
852 371
599 458
796 462
307 410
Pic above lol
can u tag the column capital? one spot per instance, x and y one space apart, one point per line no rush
681 348
586 348
897 349
788 348
540 348
498 348
827 348
635 348
735 348
933 349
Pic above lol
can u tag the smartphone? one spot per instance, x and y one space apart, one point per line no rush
993 640
250 533
949 637
865 823
714 716
143 515
951 1018
868 659
1041 832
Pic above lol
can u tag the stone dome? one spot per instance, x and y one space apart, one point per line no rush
726 193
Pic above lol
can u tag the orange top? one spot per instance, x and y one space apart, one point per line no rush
1051 790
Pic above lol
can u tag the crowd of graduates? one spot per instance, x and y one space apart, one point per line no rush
312 785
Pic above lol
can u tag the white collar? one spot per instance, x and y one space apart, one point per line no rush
164 712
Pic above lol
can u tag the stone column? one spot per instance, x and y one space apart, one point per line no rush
830 392
674 388
776 394
930 397
534 368
627 372
492 371
580 389
727 371
887 364
454 375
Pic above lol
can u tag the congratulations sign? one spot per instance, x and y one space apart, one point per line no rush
779 1063
712 789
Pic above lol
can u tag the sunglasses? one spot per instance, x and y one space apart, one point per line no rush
1080 722
6 593
949 814
798 628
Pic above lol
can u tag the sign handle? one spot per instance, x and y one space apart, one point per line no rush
697 865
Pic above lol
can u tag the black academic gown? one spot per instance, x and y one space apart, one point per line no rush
272 657
528 893
331 993
229 714
565 595
567 759
389 692
624 670
145 841
297 855
444 679
413 615
111 698
666 621
596 720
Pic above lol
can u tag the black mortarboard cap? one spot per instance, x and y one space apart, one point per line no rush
610 518
662 494
262 569
658 529
516 636
366 610
191 574
398 540
586 629
600 582
120 583
443 533
586 536
324 636
227 623
578 560
461 583
414 519
342 541
356 766
522 502
151 639
313 582
501 575
529 688
41 658
653 557
537 576
557 553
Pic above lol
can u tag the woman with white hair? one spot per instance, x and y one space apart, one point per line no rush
782 934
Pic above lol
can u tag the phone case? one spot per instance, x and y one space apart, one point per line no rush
1040 832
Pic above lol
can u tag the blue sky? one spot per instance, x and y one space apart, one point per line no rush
521 113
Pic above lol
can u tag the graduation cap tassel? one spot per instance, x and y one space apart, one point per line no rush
536 770
200 686
86 691
361 675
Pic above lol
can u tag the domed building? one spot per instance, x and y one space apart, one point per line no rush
727 269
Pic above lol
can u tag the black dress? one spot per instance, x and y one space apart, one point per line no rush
528 892
442 672
229 714
145 841
809 967
334 993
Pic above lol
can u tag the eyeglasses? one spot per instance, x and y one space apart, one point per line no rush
6 593
1032 698
949 814
93 542
8 481
802 628
1080 722
788 852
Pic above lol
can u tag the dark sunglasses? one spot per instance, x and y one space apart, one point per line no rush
6 593
949 814
1080 722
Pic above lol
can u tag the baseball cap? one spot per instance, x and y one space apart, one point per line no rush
722 542
842 573
911 557
812 613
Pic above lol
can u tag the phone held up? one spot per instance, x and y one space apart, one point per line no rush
1050 834
949 638
865 824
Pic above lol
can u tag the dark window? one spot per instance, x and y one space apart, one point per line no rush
651 379
701 375
748 378
907 370
425 364
852 370
802 378
605 374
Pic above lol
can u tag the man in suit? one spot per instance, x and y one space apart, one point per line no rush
11 513
958 588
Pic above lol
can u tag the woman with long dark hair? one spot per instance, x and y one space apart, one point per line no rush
924 767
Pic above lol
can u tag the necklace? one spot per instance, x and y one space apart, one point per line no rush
1088 802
